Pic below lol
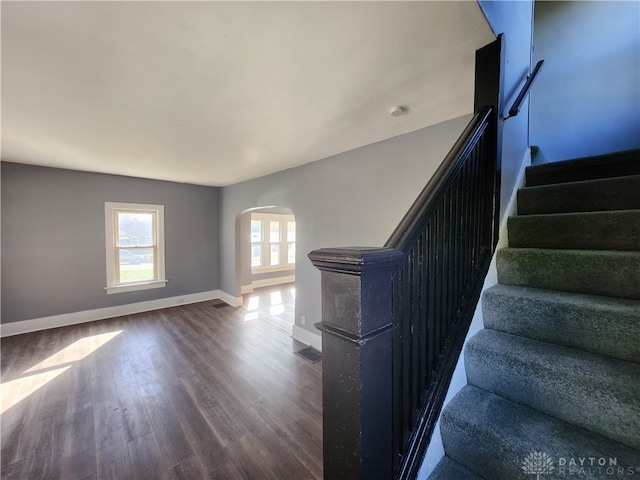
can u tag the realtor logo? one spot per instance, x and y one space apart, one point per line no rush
537 463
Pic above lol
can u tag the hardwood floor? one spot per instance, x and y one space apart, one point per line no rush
189 392
275 305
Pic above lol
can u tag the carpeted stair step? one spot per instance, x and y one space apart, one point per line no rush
597 393
599 166
448 469
602 325
593 272
492 437
612 230
619 193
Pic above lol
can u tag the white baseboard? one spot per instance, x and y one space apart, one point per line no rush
512 206
65 319
307 337
230 299
267 282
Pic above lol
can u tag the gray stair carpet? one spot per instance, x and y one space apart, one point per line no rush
554 378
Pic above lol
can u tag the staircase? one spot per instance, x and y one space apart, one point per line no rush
554 378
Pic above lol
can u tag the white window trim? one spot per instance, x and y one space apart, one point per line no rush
110 208
283 218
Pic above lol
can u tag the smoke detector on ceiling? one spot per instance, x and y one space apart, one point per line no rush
399 110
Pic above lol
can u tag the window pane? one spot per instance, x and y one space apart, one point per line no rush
256 255
274 231
136 265
291 231
256 230
291 253
275 254
135 229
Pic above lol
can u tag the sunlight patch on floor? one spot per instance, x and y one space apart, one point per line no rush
76 351
14 391
276 298
253 304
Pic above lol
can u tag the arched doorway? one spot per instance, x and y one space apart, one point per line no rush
265 263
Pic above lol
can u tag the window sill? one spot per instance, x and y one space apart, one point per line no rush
134 287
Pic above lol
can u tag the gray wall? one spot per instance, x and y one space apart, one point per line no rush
514 20
53 239
355 198
587 99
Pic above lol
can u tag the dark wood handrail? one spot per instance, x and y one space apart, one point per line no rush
408 227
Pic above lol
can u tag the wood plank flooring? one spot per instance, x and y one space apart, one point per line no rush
274 305
190 392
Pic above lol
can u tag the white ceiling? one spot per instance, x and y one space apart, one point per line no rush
214 93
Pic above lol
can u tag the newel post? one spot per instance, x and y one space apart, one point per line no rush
357 329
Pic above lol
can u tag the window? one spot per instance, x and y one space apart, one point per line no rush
134 246
291 242
256 243
273 242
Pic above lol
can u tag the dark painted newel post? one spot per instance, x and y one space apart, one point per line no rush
357 333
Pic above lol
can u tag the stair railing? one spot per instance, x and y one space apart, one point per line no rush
448 238
394 318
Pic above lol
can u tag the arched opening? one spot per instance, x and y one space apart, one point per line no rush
266 263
